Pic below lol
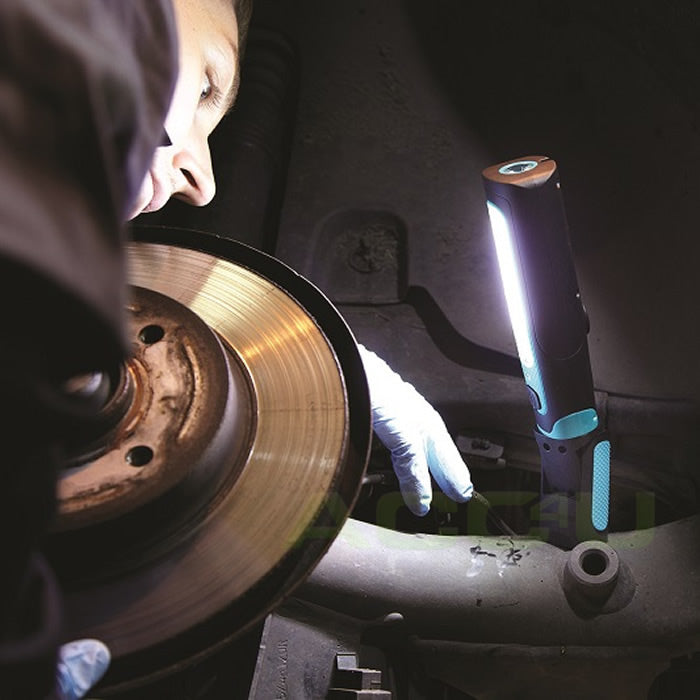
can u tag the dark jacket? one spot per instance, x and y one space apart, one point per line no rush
84 89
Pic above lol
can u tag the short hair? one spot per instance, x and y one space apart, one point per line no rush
244 11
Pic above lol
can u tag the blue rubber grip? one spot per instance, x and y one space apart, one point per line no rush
600 507
574 425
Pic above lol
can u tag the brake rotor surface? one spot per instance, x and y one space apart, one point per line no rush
249 418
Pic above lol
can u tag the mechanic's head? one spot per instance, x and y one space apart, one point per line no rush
211 36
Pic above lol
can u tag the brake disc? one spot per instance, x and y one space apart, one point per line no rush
230 452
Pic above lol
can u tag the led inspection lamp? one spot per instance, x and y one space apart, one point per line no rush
550 328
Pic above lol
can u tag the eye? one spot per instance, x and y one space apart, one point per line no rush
207 90
211 95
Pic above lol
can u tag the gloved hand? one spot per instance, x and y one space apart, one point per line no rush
416 436
80 665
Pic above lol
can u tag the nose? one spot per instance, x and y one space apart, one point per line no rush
194 173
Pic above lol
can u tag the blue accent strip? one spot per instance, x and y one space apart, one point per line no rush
574 425
601 485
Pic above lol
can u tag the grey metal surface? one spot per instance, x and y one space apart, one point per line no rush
501 597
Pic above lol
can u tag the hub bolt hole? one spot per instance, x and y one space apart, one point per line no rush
151 334
139 456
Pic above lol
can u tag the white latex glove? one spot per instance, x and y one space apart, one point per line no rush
80 665
415 434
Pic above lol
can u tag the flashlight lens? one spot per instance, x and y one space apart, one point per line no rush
515 300
520 166
512 284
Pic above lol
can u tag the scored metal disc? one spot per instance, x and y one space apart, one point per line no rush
292 486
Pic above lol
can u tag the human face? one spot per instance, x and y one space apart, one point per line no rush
205 89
